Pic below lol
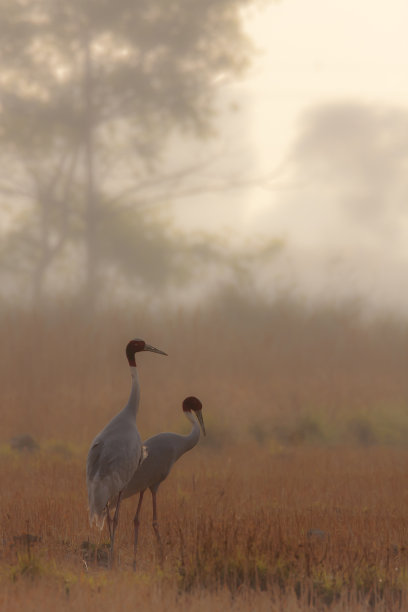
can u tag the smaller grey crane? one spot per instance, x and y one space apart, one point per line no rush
163 450
116 452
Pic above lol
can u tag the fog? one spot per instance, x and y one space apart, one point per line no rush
326 108
343 214
159 157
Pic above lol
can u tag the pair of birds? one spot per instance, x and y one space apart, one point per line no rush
119 465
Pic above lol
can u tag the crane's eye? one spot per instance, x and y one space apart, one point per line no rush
138 345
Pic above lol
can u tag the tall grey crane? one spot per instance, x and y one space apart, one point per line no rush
116 451
163 450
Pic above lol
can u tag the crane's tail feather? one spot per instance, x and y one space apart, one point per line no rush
97 497
98 519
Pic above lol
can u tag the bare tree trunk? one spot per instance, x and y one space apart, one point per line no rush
41 264
52 200
91 217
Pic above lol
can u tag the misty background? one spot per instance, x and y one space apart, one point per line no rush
162 152
225 179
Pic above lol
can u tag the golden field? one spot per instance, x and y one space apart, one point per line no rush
297 499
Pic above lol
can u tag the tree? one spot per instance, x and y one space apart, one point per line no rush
93 92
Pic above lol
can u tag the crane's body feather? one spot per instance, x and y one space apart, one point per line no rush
116 452
111 464
113 457
163 450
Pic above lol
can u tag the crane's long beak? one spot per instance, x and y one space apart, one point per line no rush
200 420
153 350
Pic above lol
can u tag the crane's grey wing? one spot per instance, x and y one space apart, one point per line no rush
93 460
102 460
110 466
96 493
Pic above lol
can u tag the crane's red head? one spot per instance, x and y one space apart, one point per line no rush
136 346
192 403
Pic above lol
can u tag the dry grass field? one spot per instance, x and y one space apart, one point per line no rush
296 500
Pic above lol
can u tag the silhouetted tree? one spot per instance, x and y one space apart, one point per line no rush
92 92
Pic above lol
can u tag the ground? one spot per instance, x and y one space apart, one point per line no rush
244 528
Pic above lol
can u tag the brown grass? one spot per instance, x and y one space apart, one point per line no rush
285 454
236 527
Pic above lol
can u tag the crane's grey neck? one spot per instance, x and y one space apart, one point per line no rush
133 402
190 440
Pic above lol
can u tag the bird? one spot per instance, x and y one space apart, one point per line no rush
116 452
163 450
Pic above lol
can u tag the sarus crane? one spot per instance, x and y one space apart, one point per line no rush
163 450
116 452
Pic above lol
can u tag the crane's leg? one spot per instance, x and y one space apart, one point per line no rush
136 523
156 526
114 525
109 520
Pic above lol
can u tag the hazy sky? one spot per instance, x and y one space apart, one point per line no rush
324 112
323 51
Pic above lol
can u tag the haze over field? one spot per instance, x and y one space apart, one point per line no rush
161 161
288 162
324 116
